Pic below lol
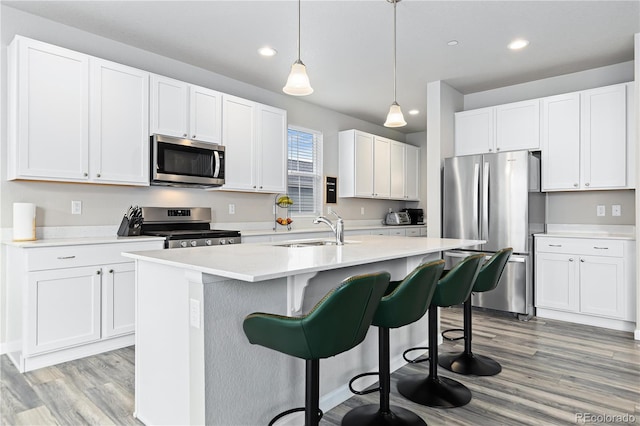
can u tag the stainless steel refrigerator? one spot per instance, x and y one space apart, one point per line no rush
496 197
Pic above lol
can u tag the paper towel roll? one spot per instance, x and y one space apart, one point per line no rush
24 222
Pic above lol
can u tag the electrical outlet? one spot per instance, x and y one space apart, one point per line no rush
329 210
232 209
194 313
616 210
76 207
362 210
390 209
600 211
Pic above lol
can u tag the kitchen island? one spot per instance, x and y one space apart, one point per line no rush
193 363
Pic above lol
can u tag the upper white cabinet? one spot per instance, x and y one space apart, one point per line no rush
585 144
75 118
255 139
185 111
508 127
375 167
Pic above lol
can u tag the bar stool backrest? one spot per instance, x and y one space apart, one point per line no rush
455 287
491 271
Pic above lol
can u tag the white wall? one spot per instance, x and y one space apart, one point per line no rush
637 79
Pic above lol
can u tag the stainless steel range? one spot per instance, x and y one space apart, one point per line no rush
185 227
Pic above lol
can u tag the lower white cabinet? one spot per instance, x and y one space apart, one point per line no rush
66 302
586 280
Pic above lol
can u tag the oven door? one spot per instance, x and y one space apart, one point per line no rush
185 162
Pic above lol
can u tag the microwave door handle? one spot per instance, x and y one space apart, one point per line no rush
217 168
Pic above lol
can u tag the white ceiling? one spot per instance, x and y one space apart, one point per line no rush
348 45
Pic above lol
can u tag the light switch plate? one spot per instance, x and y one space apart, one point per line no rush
76 207
616 210
232 209
600 210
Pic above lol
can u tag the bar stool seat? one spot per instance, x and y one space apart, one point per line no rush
405 302
336 324
467 362
434 391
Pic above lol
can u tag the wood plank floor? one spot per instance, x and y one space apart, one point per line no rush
552 372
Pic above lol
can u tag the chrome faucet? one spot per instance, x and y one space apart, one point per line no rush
338 228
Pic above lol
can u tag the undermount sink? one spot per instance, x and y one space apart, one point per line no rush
294 244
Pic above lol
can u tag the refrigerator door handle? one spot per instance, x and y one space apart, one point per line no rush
485 202
476 196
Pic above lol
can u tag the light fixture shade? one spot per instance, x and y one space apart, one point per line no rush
298 82
395 117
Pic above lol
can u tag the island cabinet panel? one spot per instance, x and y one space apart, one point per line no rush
72 116
586 280
255 139
70 301
371 166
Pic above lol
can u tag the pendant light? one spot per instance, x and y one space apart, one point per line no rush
298 82
395 117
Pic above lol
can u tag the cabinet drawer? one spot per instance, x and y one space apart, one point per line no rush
413 232
83 255
584 246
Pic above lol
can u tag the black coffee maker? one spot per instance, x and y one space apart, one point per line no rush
416 216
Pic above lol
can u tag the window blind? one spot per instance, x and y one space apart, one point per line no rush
304 171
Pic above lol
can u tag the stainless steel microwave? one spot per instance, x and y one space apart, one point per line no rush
186 162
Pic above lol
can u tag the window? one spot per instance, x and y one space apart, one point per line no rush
304 167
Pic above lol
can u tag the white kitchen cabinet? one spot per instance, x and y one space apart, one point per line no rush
184 110
48 115
69 301
75 118
586 280
119 123
585 142
255 139
412 173
371 166
397 162
509 127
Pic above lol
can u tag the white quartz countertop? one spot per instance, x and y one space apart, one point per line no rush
263 261
605 235
58 242
612 232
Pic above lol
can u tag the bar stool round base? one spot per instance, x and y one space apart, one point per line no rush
469 364
370 415
440 392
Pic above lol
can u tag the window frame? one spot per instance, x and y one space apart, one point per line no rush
318 176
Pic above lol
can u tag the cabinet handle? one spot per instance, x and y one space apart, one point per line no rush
98 272
575 185
66 257
601 248
184 135
85 174
111 271
260 186
571 259
490 150
194 136
98 175
254 187
497 149
581 260
586 184
555 245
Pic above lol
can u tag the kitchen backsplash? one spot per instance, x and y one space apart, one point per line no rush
581 207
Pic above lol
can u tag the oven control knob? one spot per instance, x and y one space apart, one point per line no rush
208 242
194 243
183 244
223 241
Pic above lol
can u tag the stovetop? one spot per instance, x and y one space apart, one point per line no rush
187 234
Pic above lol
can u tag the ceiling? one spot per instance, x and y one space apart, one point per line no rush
348 45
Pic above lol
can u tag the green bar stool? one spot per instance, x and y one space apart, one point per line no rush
405 302
434 391
467 362
336 324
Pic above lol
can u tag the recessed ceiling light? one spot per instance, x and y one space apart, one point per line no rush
267 51
518 44
414 112
452 43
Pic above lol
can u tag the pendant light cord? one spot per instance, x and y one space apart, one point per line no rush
299 30
394 51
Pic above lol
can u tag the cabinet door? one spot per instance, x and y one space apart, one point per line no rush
363 165
238 135
561 142
63 308
602 286
397 170
381 169
118 299
51 109
271 147
119 124
205 114
556 281
604 137
474 131
169 101
518 126
412 172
